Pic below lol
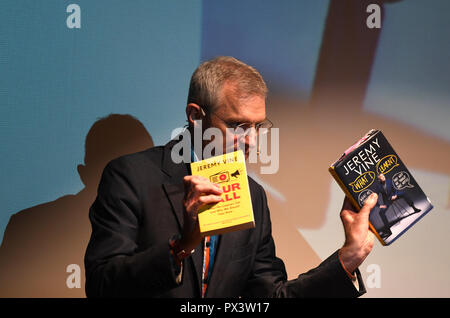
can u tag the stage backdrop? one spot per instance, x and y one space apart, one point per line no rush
82 82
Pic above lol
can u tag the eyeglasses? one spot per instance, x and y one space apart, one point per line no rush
242 129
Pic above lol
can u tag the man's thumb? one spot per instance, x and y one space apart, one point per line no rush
370 202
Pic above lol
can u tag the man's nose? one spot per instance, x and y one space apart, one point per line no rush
251 138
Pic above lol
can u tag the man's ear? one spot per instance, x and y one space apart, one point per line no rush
194 112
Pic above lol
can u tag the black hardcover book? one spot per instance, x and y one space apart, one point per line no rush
372 165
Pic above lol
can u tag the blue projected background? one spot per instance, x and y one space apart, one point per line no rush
281 41
56 82
411 75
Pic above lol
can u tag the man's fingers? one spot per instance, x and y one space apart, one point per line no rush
348 209
196 187
188 180
207 188
209 199
206 199
199 192
192 181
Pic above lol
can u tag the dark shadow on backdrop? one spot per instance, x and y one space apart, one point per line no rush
40 242
347 54
314 133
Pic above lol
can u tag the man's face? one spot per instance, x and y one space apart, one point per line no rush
233 111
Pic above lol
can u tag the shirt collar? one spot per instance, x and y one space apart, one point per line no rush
194 156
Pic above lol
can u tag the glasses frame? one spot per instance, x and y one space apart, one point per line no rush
240 126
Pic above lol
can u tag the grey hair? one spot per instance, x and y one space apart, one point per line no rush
209 78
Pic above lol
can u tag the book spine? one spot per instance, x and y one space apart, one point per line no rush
353 201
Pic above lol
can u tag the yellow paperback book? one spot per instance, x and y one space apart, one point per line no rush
235 211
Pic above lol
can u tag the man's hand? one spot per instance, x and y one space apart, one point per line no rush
199 191
358 239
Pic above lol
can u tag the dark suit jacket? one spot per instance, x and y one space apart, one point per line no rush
139 207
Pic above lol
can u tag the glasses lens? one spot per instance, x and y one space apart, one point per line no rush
266 124
245 128
242 129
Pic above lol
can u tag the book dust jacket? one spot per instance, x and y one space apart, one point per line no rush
235 211
372 165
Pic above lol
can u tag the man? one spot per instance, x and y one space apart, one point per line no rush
145 234
387 194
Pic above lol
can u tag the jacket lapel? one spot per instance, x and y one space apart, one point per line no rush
174 186
174 189
175 194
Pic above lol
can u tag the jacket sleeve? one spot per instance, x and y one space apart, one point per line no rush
114 264
269 278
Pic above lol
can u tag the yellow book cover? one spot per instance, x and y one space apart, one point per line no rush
235 211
